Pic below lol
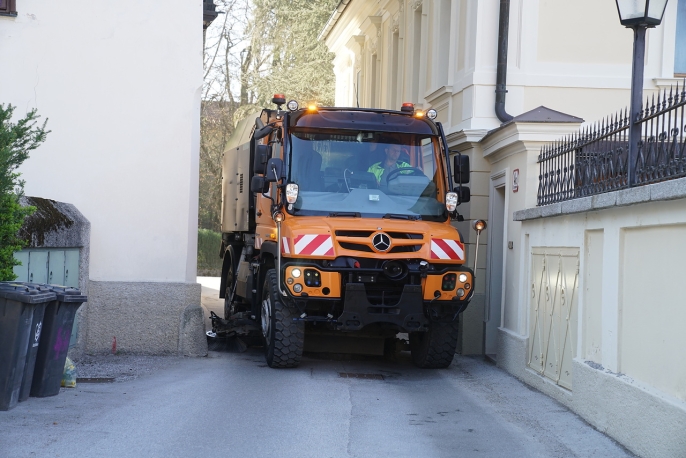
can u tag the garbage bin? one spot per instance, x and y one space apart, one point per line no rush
32 351
54 342
17 303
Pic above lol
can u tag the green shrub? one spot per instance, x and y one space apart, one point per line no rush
16 141
209 245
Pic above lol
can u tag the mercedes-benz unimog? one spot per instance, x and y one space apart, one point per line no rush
336 231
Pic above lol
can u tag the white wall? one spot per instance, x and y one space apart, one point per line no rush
120 83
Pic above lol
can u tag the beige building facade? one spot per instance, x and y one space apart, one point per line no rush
124 117
557 301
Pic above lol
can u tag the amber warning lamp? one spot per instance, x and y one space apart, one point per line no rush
279 99
407 107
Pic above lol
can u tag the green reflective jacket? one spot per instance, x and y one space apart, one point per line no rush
377 169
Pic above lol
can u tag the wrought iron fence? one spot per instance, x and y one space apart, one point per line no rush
595 160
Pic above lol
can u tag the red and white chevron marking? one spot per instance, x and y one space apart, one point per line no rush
313 245
447 249
285 245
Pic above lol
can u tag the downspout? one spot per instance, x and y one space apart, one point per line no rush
501 72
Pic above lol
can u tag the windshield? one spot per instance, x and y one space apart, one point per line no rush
366 174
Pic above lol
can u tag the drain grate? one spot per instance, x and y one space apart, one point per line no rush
362 376
95 380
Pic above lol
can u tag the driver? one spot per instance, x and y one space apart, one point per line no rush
390 163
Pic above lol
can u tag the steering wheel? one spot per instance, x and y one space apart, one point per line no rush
411 171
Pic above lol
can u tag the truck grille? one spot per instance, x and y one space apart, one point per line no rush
361 234
365 241
355 247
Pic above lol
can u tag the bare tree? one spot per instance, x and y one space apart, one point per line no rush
254 49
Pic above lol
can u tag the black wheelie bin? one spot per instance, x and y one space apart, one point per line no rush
17 306
54 342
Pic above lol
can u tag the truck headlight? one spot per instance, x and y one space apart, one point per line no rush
463 278
292 193
451 201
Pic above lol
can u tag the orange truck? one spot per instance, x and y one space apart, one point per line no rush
337 235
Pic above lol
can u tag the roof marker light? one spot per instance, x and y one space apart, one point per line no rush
407 107
431 114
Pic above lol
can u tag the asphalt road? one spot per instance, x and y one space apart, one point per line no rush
232 405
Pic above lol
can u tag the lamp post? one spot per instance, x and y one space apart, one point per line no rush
638 15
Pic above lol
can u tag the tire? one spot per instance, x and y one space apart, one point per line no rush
230 280
284 338
434 348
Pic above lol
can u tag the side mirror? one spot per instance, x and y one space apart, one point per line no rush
261 130
259 185
275 170
461 168
463 194
262 154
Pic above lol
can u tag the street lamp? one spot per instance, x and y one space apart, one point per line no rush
638 15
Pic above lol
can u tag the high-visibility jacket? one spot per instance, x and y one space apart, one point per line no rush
378 170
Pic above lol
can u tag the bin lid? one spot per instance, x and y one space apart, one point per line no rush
64 293
26 293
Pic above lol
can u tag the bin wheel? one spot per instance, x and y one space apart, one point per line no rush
284 338
434 348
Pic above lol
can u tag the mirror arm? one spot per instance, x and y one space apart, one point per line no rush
447 156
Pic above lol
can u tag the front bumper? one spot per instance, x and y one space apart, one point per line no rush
411 313
358 312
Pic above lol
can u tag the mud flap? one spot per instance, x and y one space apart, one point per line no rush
408 313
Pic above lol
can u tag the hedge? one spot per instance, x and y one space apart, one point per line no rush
209 245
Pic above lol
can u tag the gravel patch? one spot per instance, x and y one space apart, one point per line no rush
122 367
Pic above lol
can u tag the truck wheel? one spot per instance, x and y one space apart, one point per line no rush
434 348
230 280
283 338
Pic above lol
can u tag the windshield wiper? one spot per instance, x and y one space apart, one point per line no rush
399 216
344 214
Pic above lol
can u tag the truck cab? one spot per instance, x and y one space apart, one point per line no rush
346 234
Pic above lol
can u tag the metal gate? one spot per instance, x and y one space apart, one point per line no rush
553 306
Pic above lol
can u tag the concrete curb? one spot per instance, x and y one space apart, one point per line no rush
192 338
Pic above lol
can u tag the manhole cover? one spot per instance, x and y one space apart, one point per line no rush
362 376
95 380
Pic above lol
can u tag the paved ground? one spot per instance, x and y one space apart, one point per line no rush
231 404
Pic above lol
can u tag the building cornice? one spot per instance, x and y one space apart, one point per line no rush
510 138
431 97
333 19
462 136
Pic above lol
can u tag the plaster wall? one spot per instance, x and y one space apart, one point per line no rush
125 125
628 374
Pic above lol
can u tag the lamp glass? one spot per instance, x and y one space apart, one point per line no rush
641 12
656 9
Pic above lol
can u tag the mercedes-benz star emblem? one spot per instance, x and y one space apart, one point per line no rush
381 241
